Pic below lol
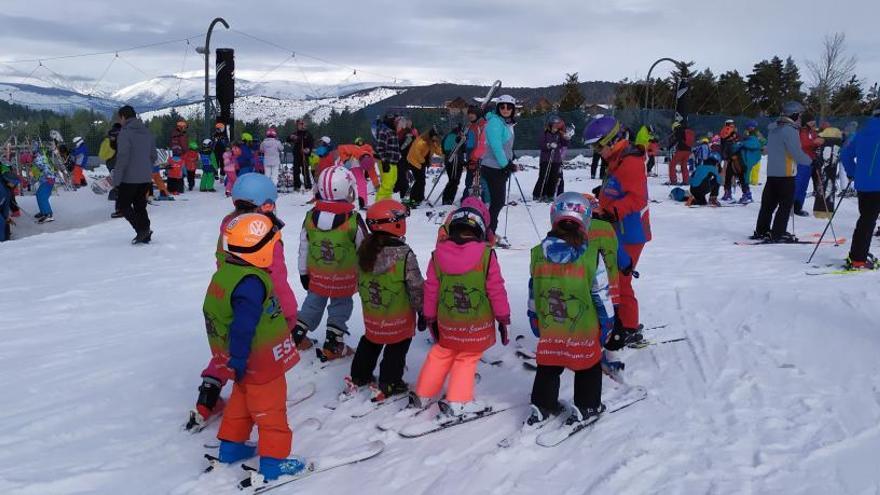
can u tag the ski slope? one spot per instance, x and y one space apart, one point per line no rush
775 390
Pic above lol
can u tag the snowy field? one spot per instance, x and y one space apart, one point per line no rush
775 390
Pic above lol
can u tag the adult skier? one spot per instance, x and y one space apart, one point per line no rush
496 168
135 155
860 160
784 153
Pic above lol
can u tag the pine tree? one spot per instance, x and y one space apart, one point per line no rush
572 98
733 95
847 100
765 85
791 81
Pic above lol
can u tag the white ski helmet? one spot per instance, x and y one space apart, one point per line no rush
505 99
77 141
325 139
336 184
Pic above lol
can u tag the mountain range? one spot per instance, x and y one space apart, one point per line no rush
271 101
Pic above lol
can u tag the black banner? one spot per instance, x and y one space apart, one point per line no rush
225 82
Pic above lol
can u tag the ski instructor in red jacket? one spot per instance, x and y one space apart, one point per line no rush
623 201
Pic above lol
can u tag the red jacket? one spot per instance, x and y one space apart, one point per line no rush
191 160
625 193
808 142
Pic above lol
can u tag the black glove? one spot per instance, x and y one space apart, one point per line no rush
304 280
608 216
597 190
627 271
618 337
421 324
502 331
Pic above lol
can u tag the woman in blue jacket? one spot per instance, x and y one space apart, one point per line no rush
496 166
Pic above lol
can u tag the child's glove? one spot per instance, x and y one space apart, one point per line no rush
435 329
304 280
239 366
533 323
502 331
617 337
421 323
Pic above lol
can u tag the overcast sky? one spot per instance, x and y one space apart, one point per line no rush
523 43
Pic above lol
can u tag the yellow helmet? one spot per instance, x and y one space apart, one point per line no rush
251 237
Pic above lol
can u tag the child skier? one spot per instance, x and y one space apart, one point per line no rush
464 298
230 166
44 190
191 162
254 194
80 157
209 166
175 171
566 312
390 285
332 232
159 183
244 321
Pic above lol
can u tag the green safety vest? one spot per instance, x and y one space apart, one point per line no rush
389 317
464 314
272 349
332 258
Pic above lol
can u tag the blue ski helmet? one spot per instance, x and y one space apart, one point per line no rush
256 189
751 124
601 131
790 108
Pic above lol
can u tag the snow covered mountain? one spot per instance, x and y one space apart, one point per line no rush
172 90
58 100
277 110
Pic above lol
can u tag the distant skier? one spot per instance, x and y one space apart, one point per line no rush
302 144
749 148
553 143
272 149
46 181
191 164
388 153
80 157
209 166
783 155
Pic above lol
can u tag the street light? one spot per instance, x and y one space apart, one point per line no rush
678 64
206 51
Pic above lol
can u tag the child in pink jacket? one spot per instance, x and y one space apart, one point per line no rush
464 298
230 166
253 193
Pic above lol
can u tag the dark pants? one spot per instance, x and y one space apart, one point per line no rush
175 185
869 209
469 180
730 174
393 362
453 172
548 180
417 192
598 162
587 387
496 181
132 201
778 197
651 163
402 184
708 186
190 179
301 168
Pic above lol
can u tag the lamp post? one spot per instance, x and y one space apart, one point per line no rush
648 86
206 51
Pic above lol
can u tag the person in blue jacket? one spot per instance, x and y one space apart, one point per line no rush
861 160
246 158
706 180
496 166
749 149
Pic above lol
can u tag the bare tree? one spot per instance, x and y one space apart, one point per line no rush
831 71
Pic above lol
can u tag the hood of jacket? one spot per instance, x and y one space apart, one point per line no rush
558 251
456 259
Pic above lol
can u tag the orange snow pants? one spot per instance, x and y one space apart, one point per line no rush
79 179
460 366
628 308
264 405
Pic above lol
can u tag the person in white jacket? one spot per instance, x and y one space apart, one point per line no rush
272 149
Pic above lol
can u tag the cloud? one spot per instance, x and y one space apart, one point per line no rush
520 42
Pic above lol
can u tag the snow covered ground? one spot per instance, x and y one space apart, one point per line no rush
776 390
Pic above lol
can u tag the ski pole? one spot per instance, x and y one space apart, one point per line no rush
507 208
819 188
526 204
842 195
437 179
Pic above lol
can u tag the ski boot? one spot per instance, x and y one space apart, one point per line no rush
334 347
502 242
117 214
143 238
584 417
272 468
760 236
208 404
456 410
382 391
38 216
46 219
713 201
300 338
746 198
784 238
870 263
350 388
539 416
231 452
728 196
